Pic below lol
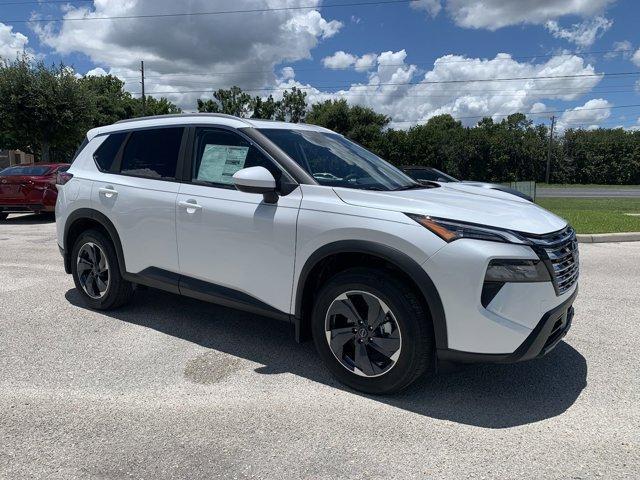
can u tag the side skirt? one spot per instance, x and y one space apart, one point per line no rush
209 292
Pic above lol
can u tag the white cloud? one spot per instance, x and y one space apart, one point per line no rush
229 49
583 34
588 116
339 60
538 107
96 72
396 89
636 58
11 43
366 61
623 49
432 7
494 14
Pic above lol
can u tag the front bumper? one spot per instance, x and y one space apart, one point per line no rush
552 328
499 329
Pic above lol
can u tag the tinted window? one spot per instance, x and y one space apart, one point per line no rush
152 153
28 171
106 153
335 161
219 154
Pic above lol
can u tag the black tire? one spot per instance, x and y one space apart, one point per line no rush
412 321
3 216
118 291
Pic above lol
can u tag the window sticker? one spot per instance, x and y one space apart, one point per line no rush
220 162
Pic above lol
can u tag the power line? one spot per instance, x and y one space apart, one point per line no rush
34 2
420 82
548 112
424 62
219 12
458 94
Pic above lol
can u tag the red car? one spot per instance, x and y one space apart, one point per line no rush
29 188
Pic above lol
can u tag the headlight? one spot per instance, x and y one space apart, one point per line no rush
501 271
504 270
450 230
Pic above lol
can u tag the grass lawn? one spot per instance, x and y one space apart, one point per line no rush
587 185
596 215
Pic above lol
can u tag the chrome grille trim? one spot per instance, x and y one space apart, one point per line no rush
559 251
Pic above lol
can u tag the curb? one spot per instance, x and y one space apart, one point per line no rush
609 237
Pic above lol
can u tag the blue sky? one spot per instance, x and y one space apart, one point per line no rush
188 56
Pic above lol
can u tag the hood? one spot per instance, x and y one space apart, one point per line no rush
463 203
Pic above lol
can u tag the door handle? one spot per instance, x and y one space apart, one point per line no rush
107 192
190 205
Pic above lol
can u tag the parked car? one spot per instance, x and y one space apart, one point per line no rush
29 188
430 174
298 223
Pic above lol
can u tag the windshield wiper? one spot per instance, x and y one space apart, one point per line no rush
413 186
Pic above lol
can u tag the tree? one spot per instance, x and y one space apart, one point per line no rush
154 106
44 110
265 109
293 106
361 124
113 103
232 102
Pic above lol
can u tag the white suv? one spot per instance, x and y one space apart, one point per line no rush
298 223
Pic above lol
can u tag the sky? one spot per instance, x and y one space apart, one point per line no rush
578 60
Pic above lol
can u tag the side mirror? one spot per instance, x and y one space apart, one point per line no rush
256 180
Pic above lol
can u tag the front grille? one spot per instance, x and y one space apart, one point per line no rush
559 251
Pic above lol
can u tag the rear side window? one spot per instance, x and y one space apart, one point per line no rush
152 153
107 152
26 171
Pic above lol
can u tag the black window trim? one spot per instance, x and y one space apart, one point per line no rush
295 174
117 162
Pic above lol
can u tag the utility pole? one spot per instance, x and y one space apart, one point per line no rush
553 124
144 99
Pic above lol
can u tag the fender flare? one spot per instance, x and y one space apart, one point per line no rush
393 256
103 220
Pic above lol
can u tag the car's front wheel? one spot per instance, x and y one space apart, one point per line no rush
372 331
96 273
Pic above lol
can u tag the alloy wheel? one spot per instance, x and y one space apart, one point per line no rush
93 270
363 333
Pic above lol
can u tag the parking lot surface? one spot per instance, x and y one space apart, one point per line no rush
169 387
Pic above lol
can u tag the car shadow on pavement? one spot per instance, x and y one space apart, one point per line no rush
29 218
489 396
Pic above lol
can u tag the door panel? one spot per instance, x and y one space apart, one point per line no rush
236 240
144 214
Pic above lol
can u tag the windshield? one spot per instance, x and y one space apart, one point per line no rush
32 171
335 161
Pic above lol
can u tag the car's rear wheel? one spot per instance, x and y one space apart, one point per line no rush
96 273
372 331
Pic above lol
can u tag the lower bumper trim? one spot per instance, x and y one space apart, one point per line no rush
31 207
553 326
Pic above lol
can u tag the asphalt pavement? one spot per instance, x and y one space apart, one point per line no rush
169 387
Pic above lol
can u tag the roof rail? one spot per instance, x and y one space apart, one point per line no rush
180 115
